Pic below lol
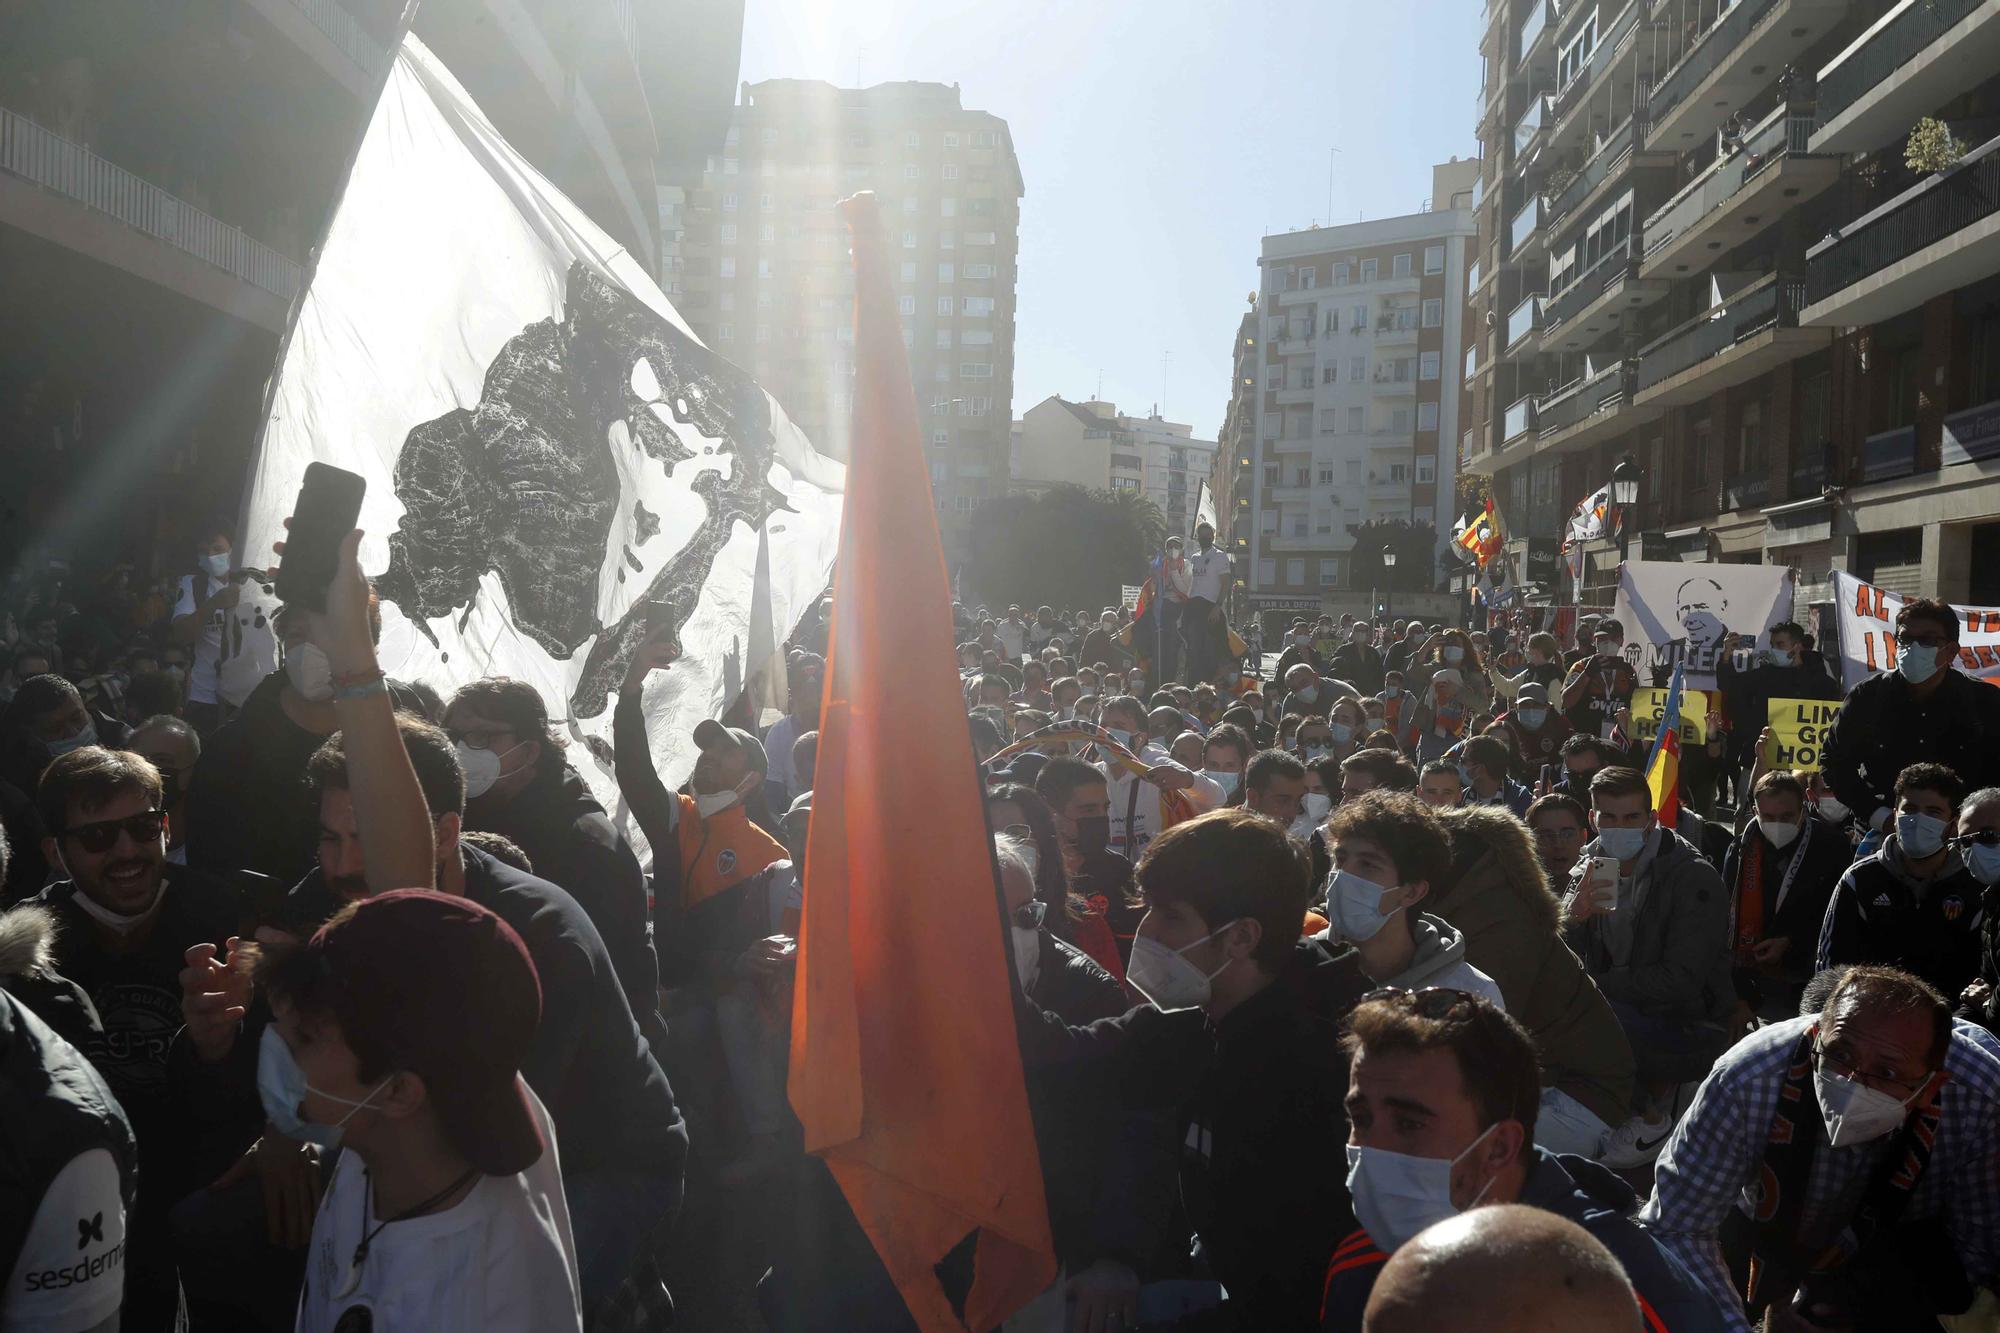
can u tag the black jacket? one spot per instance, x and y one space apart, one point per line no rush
1880 913
247 804
1070 984
573 845
1797 916
1360 665
1746 695
1882 728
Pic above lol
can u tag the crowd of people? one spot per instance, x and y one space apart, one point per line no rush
1359 985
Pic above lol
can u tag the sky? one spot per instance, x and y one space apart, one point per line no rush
1160 140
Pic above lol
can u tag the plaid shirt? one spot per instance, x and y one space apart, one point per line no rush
1713 1160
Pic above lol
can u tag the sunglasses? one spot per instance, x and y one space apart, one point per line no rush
1029 916
1432 1002
1985 837
102 836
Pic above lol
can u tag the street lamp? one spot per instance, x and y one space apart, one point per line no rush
1389 577
1625 494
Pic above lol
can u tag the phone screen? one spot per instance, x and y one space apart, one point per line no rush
327 509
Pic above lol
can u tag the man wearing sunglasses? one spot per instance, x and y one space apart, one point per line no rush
1443 1093
1921 711
1870 1123
125 918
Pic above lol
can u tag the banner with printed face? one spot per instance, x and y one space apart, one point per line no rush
1797 728
1675 613
1650 706
1868 633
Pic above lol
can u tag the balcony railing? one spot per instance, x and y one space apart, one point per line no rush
1751 490
1893 46
1583 398
1889 454
1812 468
1714 45
1466 445
1524 224
1613 265
1524 320
1926 213
354 42
1532 28
1781 133
1529 126
1607 158
1472 278
53 162
1519 419
1771 302
1601 57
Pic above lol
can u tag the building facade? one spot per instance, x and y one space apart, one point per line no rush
1355 328
764 275
1231 476
1704 246
1093 445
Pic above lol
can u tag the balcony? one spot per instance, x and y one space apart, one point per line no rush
1612 46
1296 493
1395 331
1528 130
1940 234
1917 57
1524 322
1812 471
1732 62
1745 336
212 262
1295 397
1606 161
1739 196
1972 435
1518 421
1299 542
1295 347
1533 28
1889 455
1523 233
1751 490
1472 279
1588 408
1388 386
1588 309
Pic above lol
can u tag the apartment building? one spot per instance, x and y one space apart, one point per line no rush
1232 475
1356 325
1093 445
764 275
1701 247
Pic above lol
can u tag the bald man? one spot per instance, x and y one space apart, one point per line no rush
1525 1270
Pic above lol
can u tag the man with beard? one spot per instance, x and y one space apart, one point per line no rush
124 919
1079 797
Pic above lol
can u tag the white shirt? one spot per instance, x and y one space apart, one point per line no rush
70 1277
236 648
1013 639
1208 574
501 1259
1134 796
778 742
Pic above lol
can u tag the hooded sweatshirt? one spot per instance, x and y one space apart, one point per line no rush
1881 913
1440 961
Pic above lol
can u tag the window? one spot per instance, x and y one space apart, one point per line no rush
945 272
947 208
1326 476
912 140
1399 266
729 166
729 233
946 240
1357 369
1309 277
1330 373
950 172
1323 522
767 235
1332 319
1576 51
1399 472
725 333
983 139
764 204
944 307
1427 368
911 171
726 266
975 370
978 272
944 337
1295 569
1267 570
940 407
1427 416
1305 377
1434 259
1433 313
1340 272
1354 420
1369 269
1427 471
943 372
979 238
908 304
977 337
910 271
941 438
763 268
937 473
979 405
1354 472
910 204
1329 571
909 240
726 301
979 307
729 203
951 141
1399 420
1357 318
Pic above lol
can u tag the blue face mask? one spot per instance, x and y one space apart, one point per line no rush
1920 835
1622 844
282 1087
1917 663
1533 718
88 736
1124 738
1355 905
1225 780
1342 733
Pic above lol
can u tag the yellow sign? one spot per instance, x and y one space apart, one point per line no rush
1797 728
1649 706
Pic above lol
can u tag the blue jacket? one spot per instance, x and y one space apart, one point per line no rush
1587 1194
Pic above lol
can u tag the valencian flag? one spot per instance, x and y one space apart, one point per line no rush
905 1064
1478 537
1663 765
558 469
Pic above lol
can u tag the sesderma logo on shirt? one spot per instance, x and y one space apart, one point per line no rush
84 1270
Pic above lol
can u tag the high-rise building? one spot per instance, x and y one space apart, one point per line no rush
1231 474
1727 242
1093 445
765 278
1356 326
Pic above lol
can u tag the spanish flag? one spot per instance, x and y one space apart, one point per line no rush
905 1063
1479 536
1663 765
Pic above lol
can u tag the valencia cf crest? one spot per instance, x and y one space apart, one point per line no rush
725 861
1952 907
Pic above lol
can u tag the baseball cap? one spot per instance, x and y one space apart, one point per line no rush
447 991
712 735
1531 693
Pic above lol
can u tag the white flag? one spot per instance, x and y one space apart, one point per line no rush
1204 506
556 465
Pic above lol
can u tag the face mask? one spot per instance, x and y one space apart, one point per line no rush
310 673
1854 1112
1123 738
1396 1195
1777 657
1831 808
1392 692
1778 833
712 803
1533 718
1309 694
1342 733
1622 844
1917 663
1921 835
1605 647
1454 655
1312 754
482 768
117 923
88 736
215 566
1165 978
1317 806
1227 781
282 1087
1983 861
1356 905
1134 685
1027 956
1093 832
1464 775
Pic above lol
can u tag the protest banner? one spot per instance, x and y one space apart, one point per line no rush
1797 728
1128 593
1868 632
1649 706
1678 614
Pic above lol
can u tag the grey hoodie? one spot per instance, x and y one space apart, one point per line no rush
1440 961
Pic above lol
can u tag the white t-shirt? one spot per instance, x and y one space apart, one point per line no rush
1133 796
1013 639
70 1277
236 648
502 1259
1208 574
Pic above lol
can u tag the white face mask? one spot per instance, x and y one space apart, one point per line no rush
309 672
1166 979
1396 1195
1920 835
1317 806
1454 655
1856 1113
482 768
1982 860
1309 694
1227 781
1027 956
115 922
709 804
215 566
1831 808
1356 905
1778 833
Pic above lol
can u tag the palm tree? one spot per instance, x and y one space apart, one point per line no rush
1144 515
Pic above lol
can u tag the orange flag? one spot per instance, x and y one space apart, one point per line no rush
905 1065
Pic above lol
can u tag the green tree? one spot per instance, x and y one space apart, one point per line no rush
1144 516
1932 147
1066 548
